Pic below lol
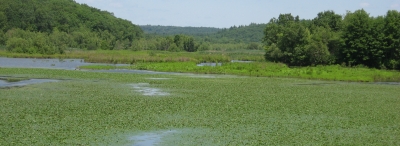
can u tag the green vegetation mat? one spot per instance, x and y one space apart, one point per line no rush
91 108
128 57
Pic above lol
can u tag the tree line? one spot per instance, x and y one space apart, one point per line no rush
173 43
353 39
252 33
174 30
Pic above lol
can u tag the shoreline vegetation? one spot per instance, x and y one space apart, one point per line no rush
267 69
186 62
330 80
130 57
351 47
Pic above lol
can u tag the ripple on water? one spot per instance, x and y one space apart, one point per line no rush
150 139
5 84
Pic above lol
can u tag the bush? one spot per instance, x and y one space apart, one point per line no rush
18 45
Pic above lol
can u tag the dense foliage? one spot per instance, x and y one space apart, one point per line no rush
235 34
234 38
174 43
239 34
52 26
356 39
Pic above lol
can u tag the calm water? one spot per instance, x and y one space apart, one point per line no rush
209 64
4 83
69 64
150 139
132 71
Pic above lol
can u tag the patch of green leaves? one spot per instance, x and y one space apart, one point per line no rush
91 108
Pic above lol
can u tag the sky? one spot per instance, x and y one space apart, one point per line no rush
227 13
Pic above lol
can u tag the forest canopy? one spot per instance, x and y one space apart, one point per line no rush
52 26
357 39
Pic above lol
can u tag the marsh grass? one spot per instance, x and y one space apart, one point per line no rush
268 69
244 55
130 57
186 62
90 108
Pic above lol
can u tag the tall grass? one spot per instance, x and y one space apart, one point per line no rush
268 69
129 57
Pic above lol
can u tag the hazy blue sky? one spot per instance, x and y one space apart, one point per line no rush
226 13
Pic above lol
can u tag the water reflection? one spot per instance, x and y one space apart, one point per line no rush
150 139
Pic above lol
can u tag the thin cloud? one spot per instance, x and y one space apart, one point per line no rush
364 5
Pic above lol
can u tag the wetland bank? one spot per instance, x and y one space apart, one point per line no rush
106 108
331 80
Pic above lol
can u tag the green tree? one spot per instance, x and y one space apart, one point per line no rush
392 40
204 46
164 43
273 53
328 19
253 46
3 21
189 45
318 53
18 45
41 45
376 43
174 48
356 36
2 38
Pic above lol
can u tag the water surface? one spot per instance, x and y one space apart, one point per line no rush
69 64
4 83
150 139
146 90
209 64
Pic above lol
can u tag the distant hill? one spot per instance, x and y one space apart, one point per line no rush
66 15
174 30
235 34
82 26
